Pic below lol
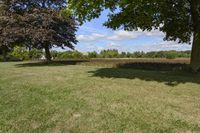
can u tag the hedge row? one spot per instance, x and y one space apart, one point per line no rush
20 54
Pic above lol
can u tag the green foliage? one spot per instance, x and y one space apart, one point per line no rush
35 54
8 22
123 55
47 22
68 55
178 19
128 55
158 54
171 55
54 54
143 14
1 58
93 54
20 53
138 54
66 13
76 54
113 53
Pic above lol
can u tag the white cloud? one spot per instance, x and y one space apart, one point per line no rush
153 33
121 35
124 35
125 41
112 45
92 37
90 47
118 35
161 46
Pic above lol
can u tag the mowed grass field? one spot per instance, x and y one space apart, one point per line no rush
80 98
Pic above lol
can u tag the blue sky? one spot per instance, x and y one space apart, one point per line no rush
93 36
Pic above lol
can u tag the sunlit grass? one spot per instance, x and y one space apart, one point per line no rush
76 98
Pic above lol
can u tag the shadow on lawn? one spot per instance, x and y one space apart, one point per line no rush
171 74
52 63
170 78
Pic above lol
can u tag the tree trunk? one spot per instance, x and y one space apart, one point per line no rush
4 54
195 56
47 53
29 50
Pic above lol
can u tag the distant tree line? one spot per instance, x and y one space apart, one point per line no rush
21 53
113 53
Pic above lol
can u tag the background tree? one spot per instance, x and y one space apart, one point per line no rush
110 53
44 24
46 28
40 24
20 53
178 19
8 21
93 54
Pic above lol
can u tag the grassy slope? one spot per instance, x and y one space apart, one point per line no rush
94 99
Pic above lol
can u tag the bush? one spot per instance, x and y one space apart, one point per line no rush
35 54
70 55
77 55
1 58
92 54
138 55
113 53
19 53
123 55
170 56
13 58
54 54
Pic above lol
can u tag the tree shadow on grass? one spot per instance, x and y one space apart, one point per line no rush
170 78
52 63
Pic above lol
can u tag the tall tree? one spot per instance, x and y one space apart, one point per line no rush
179 19
41 24
3 22
46 28
8 27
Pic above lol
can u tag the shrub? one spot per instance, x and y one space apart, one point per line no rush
113 53
19 53
54 54
1 58
123 55
13 58
70 55
92 54
35 54
170 56
77 55
138 55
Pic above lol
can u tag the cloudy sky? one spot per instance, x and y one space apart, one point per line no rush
92 36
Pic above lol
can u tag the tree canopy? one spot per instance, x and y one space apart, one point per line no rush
38 24
8 22
178 19
46 28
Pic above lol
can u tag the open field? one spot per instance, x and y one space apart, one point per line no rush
78 97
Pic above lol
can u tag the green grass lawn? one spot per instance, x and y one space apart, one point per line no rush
77 98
